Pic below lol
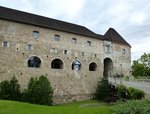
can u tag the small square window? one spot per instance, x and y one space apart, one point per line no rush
30 47
53 50
74 40
36 34
65 52
57 37
89 43
123 51
5 44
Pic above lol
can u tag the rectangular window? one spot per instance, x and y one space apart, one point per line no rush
29 47
123 51
89 43
74 40
57 37
107 48
5 44
35 34
65 52
53 50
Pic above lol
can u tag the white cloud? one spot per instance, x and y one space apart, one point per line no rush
139 47
138 18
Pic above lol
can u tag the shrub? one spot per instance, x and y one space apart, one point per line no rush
39 91
5 90
14 89
135 93
131 107
46 91
129 93
10 90
121 91
103 90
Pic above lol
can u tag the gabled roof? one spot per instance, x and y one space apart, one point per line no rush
114 36
23 17
32 19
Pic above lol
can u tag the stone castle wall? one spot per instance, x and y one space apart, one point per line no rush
68 84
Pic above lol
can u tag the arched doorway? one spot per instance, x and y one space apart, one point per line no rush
108 67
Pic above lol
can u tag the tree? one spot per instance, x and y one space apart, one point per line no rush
46 91
102 91
39 91
10 90
14 89
4 90
141 67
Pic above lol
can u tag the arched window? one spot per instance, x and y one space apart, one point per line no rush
57 64
92 66
34 62
76 65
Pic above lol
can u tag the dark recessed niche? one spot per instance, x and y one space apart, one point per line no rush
67 58
46 74
85 75
22 53
84 60
47 55
21 73
75 57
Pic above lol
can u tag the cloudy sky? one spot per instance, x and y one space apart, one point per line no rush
131 18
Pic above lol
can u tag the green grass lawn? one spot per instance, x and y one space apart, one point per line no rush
83 107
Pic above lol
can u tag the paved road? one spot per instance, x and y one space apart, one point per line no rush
145 86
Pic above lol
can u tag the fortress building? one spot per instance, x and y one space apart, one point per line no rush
71 56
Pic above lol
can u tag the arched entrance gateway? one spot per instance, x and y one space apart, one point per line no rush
108 67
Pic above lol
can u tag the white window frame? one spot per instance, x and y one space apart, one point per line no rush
36 34
53 50
3 44
29 47
89 43
56 37
74 40
65 52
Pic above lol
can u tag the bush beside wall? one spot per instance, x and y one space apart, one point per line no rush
39 91
129 93
10 90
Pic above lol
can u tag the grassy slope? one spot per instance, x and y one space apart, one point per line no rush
84 107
